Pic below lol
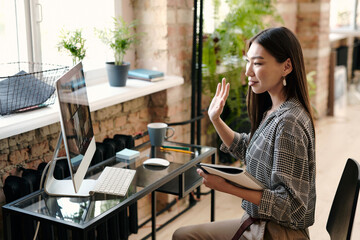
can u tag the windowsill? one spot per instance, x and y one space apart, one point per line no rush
100 95
342 34
347 31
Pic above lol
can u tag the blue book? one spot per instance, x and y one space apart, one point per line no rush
145 74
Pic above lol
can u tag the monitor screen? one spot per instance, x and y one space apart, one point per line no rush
76 126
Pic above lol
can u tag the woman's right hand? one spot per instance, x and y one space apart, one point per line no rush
212 181
218 102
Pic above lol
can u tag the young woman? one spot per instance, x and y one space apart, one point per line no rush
279 151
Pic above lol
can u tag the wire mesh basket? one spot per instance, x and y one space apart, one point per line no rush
26 86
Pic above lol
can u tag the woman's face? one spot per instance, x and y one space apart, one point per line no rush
263 71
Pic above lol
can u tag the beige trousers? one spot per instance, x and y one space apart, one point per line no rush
225 230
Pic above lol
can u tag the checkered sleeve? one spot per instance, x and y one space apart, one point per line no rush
287 199
238 147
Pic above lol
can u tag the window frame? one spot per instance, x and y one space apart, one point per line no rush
33 18
353 25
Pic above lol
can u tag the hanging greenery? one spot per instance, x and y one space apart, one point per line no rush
224 49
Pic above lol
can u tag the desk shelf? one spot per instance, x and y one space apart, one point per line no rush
183 184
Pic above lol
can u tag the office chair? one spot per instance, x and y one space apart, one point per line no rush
342 212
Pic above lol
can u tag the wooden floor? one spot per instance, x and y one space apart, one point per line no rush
337 139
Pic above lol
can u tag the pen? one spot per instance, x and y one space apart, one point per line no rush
174 147
175 150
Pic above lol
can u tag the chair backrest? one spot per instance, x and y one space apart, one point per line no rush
341 217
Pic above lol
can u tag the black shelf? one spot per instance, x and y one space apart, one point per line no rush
183 184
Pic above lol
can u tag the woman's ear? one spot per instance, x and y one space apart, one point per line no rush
287 67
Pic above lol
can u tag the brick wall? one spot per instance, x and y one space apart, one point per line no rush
313 32
310 21
125 118
166 46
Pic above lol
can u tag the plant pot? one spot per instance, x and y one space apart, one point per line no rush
117 74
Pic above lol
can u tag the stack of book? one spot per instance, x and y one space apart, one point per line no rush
145 74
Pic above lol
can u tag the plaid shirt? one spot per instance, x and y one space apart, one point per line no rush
281 155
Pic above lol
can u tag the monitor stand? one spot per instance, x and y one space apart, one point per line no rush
65 187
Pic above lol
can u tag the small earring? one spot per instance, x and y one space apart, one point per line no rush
284 82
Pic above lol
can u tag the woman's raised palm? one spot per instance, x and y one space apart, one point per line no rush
218 102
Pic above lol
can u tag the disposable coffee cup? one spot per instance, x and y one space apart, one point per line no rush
158 132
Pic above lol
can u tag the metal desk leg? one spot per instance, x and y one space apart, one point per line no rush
7 225
212 205
153 215
75 234
212 218
102 231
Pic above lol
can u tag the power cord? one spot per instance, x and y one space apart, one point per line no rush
41 183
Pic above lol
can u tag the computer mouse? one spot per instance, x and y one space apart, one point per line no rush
156 162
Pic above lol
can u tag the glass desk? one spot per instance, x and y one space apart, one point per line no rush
96 217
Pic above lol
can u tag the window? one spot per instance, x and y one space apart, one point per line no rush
30 30
343 15
72 15
12 32
214 13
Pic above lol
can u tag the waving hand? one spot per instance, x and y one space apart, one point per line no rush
218 102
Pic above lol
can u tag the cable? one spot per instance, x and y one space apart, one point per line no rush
41 183
188 121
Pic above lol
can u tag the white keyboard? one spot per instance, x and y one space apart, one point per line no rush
114 181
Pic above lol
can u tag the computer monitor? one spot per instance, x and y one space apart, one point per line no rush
77 134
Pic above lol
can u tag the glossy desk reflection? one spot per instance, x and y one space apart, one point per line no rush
83 216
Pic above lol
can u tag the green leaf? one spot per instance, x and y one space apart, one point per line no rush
72 42
223 50
119 38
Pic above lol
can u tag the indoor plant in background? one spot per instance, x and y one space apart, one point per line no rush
120 38
73 42
223 56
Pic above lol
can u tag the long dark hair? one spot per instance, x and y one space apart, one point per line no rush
282 44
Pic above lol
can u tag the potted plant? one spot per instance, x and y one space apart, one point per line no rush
73 42
120 38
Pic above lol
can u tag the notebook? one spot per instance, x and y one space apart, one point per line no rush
234 175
